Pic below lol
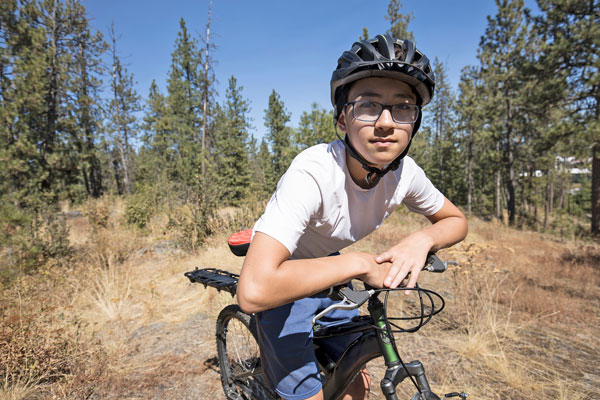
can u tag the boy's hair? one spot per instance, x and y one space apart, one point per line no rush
382 56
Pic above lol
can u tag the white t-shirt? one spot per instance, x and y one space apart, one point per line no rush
317 209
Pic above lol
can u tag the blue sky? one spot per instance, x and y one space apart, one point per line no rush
289 46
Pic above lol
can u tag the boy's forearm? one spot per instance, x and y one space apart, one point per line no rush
446 232
296 279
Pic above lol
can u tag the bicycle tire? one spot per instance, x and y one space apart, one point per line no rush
239 356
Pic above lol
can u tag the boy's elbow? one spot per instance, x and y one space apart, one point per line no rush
247 305
248 300
465 227
461 229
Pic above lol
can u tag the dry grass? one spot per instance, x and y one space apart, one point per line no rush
520 322
521 317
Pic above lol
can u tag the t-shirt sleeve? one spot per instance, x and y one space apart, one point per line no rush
422 197
296 200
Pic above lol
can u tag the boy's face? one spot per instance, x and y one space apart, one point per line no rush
378 142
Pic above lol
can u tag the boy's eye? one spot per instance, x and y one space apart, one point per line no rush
368 106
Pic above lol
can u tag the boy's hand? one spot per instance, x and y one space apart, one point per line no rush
407 256
374 272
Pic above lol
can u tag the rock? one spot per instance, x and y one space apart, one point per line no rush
164 247
73 214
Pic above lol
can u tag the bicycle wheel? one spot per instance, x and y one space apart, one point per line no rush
239 356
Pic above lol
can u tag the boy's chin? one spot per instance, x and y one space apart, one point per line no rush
381 162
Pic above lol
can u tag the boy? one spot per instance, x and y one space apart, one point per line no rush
335 194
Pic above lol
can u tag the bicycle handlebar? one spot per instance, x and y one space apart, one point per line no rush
352 299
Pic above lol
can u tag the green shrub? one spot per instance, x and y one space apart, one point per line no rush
31 239
139 208
192 213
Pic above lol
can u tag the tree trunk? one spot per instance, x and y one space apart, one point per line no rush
52 100
547 206
596 189
510 184
121 145
498 189
498 195
85 180
469 171
205 102
115 164
117 117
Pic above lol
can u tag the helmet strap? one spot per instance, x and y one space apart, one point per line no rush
374 174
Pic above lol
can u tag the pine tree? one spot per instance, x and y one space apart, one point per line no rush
258 187
441 118
278 135
500 55
124 104
207 95
315 127
49 74
184 107
470 124
87 105
365 34
231 146
398 21
22 107
570 56
157 155
265 168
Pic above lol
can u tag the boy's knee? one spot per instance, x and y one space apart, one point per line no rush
360 387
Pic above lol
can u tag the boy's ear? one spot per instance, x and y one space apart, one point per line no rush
341 122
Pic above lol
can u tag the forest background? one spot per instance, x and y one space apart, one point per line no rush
517 143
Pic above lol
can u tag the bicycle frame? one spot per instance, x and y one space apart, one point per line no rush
373 343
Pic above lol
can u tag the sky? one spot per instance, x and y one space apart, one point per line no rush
291 47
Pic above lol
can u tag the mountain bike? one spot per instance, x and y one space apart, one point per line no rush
239 355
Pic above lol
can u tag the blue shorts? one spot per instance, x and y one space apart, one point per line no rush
286 345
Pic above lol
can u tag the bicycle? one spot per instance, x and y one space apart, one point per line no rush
239 355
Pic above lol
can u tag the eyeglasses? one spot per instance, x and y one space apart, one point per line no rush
370 111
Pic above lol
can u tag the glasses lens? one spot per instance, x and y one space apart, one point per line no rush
366 111
405 112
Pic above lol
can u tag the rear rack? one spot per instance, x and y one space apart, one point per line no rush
217 278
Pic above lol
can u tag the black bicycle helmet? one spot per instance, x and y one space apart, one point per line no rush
382 56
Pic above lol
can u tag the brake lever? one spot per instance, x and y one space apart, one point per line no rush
351 300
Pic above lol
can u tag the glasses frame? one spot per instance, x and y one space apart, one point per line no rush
388 107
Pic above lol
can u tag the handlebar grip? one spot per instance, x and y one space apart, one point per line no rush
369 287
334 292
434 264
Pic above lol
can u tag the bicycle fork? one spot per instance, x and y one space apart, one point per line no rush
397 371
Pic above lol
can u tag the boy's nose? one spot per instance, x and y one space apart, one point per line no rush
385 120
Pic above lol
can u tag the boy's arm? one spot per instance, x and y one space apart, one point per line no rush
449 226
268 279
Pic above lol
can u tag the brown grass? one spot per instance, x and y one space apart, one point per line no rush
521 317
520 322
